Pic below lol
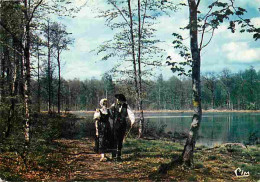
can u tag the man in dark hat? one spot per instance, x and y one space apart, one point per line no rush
120 110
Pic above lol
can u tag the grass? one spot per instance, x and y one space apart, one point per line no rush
141 161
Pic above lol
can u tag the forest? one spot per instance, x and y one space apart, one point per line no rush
37 129
223 91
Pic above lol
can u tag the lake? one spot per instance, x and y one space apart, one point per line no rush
216 128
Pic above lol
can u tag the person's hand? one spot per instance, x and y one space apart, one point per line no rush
132 124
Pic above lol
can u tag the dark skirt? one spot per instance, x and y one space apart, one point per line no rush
103 142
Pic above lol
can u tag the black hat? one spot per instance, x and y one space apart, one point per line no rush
120 97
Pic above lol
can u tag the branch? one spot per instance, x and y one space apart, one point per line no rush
204 26
119 11
34 9
203 32
198 3
144 16
232 5
21 54
207 15
209 39
202 36
13 35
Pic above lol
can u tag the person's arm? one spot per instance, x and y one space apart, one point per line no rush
131 115
96 124
96 118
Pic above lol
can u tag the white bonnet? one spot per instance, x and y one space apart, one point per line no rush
102 102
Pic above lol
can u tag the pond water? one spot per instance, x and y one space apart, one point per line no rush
215 128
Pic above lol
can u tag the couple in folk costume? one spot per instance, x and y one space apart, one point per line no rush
108 139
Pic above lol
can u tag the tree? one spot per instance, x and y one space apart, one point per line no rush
47 33
60 40
210 83
27 8
227 81
21 25
10 56
109 86
134 42
37 48
187 154
217 12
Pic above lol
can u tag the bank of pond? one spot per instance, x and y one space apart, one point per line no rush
216 127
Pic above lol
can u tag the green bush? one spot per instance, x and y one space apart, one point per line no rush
199 165
254 170
9 176
212 157
192 178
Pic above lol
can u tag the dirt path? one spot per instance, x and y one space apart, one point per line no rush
141 160
85 164
74 160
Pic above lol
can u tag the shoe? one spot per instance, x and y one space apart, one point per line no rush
119 159
103 159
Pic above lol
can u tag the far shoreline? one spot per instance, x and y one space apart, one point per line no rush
184 111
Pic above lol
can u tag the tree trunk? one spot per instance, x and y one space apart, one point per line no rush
38 80
49 69
13 93
187 155
27 78
132 42
213 99
21 82
59 85
3 71
140 102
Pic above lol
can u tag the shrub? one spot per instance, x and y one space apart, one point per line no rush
212 157
199 166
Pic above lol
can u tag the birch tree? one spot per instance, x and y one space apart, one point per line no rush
27 13
198 26
134 42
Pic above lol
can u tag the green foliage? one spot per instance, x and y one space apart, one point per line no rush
123 47
208 21
212 157
154 129
11 131
176 65
46 128
252 169
172 94
199 165
9 176
192 178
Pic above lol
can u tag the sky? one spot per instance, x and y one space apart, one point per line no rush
234 51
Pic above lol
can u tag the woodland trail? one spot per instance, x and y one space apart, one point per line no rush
85 165
75 160
142 159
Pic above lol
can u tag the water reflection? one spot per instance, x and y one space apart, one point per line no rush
216 128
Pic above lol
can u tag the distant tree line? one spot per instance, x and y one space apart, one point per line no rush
224 90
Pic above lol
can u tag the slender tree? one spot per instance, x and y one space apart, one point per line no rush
60 40
134 42
217 12
210 83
